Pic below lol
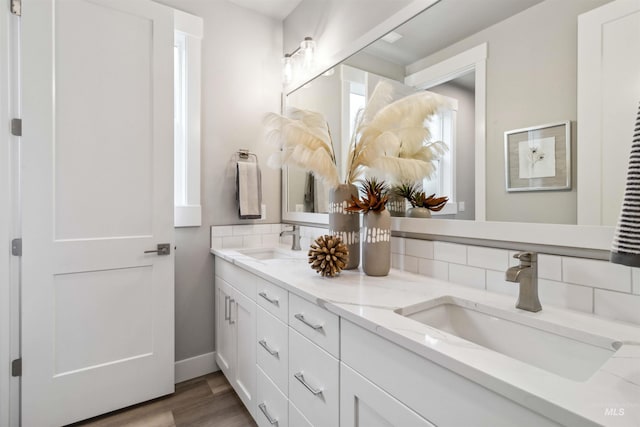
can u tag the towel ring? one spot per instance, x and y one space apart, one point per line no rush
244 154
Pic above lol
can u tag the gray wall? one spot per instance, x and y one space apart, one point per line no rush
241 72
531 80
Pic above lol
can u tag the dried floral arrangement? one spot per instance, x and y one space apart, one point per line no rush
389 139
374 198
328 255
419 199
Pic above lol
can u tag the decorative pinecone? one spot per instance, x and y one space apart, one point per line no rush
328 255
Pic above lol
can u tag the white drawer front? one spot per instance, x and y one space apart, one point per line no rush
273 406
240 279
296 419
273 348
315 323
313 381
274 299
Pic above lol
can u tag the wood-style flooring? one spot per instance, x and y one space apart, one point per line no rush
203 401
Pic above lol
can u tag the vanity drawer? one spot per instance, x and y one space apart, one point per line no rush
273 348
313 381
274 299
315 323
240 279
273 406
296 418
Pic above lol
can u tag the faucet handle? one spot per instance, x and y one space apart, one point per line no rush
526 256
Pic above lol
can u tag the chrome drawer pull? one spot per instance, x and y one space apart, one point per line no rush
263 408
264 345
231 301
273 301
313 390
226 307
301 318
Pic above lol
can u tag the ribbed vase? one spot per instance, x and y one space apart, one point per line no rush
376 243
397 205
345 224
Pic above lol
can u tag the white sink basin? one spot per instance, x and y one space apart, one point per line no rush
572 354
267 253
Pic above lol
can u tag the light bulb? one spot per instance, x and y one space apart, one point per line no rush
308 47
287 69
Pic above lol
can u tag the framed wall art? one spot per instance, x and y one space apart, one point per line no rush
538 158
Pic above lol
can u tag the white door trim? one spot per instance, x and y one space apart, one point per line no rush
9 221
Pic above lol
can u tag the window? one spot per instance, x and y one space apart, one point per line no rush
443 128
187 75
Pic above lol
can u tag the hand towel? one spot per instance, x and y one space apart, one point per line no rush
626 240
248 190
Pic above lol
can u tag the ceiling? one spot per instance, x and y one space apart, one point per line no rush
444 24
278 9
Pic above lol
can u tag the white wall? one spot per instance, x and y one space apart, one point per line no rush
241 53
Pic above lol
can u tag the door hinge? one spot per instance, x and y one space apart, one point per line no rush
16 7
16 127
16 367
16 247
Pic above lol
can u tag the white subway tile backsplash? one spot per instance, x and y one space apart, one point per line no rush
617 306
419 248
550 267
635 280
243 230
410 264
564 295
467 276
253 241
231 242
276 228
221 230
496 283
599 274
397 261
216 242
433 268
450 252
269 240
493 259
397 245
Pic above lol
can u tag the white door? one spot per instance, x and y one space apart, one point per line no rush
97 312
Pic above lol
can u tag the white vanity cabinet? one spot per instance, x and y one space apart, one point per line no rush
441 396
363 404
236 330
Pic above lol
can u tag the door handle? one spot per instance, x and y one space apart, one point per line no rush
301 318
300 377
263 408
163 249
273 301
264 345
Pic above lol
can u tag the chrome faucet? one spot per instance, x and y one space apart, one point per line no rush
295 233
527 275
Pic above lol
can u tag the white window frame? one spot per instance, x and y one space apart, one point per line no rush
188 30
445 175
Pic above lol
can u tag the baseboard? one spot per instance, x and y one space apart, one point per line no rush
195 367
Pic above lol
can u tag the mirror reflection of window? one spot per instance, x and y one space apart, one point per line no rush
442 127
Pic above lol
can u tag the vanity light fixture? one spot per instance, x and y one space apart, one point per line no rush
302 58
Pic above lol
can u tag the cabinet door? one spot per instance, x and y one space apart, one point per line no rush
225 345
363 404
243 321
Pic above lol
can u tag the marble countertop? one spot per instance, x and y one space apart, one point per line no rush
611 396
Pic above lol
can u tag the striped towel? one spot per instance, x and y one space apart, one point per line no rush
626 241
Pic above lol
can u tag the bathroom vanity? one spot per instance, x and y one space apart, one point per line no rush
408 350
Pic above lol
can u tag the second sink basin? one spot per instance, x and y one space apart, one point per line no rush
266 253
572 354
